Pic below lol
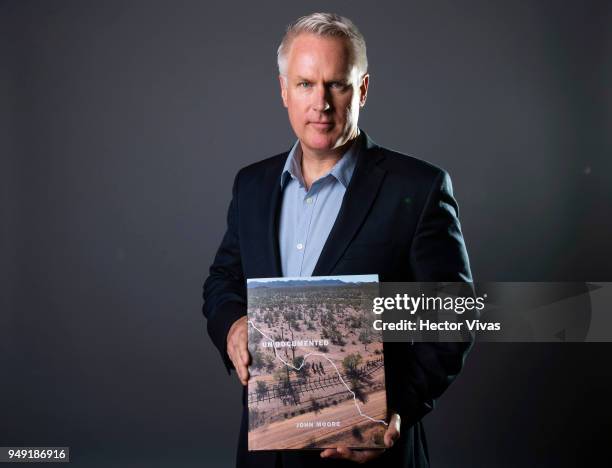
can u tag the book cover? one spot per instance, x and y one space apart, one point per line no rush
317 376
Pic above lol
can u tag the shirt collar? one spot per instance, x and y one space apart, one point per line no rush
342 170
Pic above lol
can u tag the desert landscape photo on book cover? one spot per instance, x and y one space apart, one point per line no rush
317 376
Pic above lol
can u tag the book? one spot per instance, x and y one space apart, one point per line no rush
317 376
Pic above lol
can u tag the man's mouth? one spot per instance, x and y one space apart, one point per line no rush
321 125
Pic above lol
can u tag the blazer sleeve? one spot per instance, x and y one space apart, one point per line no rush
225 289
438 254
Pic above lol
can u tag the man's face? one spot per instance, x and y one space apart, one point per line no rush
322 92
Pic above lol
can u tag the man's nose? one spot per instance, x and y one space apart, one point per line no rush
321 99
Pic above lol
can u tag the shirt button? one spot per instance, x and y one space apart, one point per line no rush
309 200
300 246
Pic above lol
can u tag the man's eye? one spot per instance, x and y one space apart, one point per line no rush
337 85
303 84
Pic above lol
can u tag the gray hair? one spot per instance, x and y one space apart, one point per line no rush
326 25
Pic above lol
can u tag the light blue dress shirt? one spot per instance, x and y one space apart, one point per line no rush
307 216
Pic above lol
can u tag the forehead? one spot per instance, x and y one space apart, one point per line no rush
310 53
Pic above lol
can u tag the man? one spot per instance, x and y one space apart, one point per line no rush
336 204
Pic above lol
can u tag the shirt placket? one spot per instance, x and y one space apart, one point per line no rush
306 206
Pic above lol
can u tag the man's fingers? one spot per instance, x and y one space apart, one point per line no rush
393 432
329 453
237 348
345 452
240 341
231 356
244 354
242 371
339 452
244 358
357 456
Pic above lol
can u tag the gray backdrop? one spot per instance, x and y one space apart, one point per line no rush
123 124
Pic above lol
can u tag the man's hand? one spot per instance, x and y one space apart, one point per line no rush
237 349
364 456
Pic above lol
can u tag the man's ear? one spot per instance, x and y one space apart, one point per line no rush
363 89
283 85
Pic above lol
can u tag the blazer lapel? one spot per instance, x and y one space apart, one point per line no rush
358 199
273 200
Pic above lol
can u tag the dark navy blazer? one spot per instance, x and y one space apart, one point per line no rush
399 220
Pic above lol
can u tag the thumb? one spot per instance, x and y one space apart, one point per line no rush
393 432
